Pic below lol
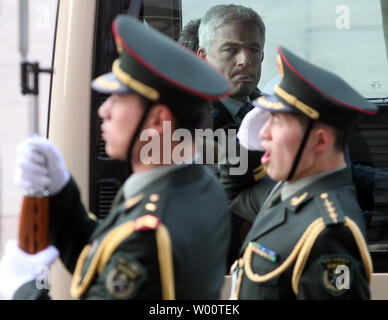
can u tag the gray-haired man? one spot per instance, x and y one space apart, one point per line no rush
231 38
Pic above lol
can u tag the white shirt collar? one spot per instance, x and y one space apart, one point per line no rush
233 105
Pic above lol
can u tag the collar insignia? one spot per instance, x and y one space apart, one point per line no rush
295 201
132 201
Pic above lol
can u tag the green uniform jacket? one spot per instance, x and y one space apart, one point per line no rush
185 209
309 246
245 197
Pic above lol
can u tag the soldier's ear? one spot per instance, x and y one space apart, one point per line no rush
160 115
322 139
262 56
201 53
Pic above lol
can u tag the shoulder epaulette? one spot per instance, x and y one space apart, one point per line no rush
153 204
330 208
146 222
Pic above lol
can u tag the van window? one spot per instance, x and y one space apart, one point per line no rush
343 36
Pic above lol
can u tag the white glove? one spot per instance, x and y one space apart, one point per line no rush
18 267
248 134
40 167
233 285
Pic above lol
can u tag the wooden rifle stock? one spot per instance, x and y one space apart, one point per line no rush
34 224
34 216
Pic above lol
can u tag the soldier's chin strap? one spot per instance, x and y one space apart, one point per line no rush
301 148
147 109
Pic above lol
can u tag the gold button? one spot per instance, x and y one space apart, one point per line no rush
150 207
324 196
154 197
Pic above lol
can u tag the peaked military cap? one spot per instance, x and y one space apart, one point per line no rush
319 94
152 65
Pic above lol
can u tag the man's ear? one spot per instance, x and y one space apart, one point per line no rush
201 53
323 139
159 114
262 57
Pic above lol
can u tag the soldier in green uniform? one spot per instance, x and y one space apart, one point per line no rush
308 239
167 233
